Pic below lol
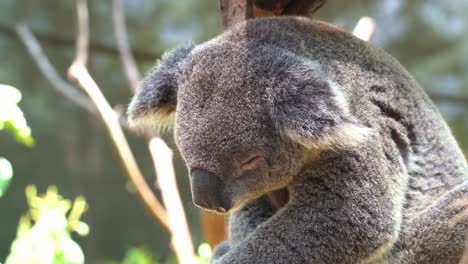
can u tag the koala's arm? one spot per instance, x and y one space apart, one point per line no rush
243 222
346 210
437 235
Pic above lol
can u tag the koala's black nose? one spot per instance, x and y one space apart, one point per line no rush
208 191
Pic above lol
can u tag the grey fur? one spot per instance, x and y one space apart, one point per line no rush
373 172
159 88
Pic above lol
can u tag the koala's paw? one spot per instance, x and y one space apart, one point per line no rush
220 250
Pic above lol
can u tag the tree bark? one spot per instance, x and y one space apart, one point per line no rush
236 11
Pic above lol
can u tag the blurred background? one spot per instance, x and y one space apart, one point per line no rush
72 150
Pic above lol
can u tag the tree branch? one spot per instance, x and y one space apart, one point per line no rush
69 92
181 239
160 152
27 37
79 73
46 68
58 40
121 36
365 28
82 41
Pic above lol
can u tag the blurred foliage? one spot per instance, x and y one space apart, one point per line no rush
11 116
137 255
13 121
44 233
204 253
142 255
6 173
429 37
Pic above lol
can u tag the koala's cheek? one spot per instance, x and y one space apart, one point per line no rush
247 190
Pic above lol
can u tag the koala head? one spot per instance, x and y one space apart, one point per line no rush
247 118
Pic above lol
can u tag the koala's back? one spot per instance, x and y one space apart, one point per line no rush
379 92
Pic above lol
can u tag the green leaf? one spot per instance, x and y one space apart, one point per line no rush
71 251
138 255
6 173
204 251
10 94
43 234
11 116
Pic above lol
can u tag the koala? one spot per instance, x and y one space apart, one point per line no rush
288 104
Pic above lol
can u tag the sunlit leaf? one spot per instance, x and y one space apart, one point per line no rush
6 173
11 116
204 251
72 252
43 234
82 229
140 255
9 94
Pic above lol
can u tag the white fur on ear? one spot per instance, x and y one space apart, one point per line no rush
313 110
347 132
343 136
159 119
156 97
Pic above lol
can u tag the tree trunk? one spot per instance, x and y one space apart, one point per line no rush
235 11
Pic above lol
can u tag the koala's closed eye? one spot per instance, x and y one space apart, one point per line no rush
249 163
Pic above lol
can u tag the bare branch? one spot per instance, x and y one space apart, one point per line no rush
70 93
46 68
63 41
181 239
365 28
80 74
82 41
58 83
120 31
160 152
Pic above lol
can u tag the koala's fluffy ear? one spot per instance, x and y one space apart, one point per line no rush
312 111
156 96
